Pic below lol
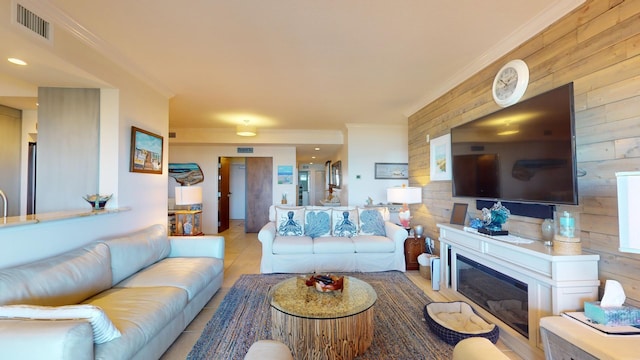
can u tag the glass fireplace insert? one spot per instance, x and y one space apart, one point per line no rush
499 294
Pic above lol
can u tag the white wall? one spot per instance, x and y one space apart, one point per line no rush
367 145
207 157
145 194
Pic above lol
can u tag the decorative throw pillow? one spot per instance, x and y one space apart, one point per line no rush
345 223
290 221
317 223
103 328
372 221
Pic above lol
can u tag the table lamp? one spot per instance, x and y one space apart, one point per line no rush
404 195
188 195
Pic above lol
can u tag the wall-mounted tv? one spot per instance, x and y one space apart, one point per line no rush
525 152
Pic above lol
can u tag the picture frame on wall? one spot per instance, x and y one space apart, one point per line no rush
440 158
146 151
391 170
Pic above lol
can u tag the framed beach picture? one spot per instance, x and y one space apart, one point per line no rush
285 174
146 152
392 171
440 156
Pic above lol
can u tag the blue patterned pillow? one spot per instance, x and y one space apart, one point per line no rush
344 222
372 222
290 221
317 223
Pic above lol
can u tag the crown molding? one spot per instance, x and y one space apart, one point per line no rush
63 20
520 35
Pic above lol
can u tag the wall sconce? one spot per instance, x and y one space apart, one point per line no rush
246 129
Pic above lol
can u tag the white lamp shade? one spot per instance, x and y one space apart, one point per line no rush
188 195
404 195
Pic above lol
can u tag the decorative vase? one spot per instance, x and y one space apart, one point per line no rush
187 228
548 230
418 230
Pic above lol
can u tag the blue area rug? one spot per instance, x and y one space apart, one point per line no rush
400 329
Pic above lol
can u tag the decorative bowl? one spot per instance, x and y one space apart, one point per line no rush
98 202
326 283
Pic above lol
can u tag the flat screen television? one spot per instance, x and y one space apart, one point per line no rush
523 153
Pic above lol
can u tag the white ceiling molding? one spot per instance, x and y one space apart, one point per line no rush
520 35
67 23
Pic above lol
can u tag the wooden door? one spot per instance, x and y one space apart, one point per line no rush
259 194
223 194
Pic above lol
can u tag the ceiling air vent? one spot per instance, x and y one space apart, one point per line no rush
33 22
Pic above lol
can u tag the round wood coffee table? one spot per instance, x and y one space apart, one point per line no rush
316 325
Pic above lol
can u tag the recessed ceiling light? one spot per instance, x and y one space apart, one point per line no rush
317 149
313 157
17 61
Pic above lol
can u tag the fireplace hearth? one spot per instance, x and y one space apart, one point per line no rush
514 284
501 295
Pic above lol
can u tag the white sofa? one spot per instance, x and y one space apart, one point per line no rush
150 287
294 251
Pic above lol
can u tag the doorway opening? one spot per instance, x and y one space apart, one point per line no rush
256 197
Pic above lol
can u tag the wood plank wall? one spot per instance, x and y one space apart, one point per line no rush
597 46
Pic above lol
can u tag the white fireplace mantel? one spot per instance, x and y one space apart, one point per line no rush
555 282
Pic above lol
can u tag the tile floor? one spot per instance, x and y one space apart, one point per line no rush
242 256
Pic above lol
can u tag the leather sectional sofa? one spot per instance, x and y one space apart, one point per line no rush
123 298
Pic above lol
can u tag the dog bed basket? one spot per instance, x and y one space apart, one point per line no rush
455 321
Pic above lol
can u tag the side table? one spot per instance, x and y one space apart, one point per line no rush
413 247
566 338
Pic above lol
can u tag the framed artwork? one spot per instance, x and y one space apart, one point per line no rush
440 156
146 152
392 171
285 174
459 214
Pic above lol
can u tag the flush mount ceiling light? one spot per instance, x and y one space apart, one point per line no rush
246 129
509 129
17 61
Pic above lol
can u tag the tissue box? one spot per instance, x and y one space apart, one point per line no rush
612 316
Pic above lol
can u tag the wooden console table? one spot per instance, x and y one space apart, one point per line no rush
555 282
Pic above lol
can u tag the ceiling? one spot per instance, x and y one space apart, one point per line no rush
295 64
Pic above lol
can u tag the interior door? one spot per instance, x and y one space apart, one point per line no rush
223 194
259 194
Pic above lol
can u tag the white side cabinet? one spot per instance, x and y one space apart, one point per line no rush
566 338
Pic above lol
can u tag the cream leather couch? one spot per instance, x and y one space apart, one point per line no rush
149 286
291 244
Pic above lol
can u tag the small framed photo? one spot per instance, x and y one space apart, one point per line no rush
459 214
392 171
440 158
146 152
